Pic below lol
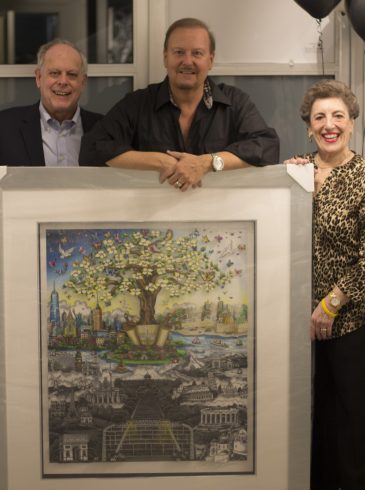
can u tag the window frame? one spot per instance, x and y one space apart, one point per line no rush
138 70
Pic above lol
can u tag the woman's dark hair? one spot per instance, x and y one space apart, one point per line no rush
325 89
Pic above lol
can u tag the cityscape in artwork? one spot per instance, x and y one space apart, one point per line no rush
146 341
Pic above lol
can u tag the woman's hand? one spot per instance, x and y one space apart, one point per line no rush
296 161
321 324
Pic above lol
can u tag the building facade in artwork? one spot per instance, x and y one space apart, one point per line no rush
74 448
97 318
219 416
196 393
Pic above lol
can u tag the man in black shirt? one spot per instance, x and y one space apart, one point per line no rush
185 126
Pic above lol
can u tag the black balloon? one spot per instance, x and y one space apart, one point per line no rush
318 8
356 13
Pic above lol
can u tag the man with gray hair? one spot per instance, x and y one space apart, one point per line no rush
49 132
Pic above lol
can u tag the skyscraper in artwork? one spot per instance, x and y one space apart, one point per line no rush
54 311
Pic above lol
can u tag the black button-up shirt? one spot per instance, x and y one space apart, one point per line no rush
147 120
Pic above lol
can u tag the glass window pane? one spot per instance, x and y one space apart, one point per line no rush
102 93
17 92
278 99
99 96
103 29
110 31
41 28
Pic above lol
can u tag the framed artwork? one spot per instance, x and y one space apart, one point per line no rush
151 334
147 347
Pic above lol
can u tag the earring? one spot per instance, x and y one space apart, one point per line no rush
310 138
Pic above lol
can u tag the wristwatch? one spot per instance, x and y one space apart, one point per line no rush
334 300
217 163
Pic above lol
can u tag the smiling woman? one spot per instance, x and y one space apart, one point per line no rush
329 108
337 322
331 127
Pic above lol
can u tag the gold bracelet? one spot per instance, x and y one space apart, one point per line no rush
326 310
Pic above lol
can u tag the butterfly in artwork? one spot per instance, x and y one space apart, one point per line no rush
97 245
207 276
63 270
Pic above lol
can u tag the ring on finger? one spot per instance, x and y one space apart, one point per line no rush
178 184
323 330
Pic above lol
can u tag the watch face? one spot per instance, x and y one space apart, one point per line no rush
334 301
218 163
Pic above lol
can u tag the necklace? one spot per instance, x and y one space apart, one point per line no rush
339 164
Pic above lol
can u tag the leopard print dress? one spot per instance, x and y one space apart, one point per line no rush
339 241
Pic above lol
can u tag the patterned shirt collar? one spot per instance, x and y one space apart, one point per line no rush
207 96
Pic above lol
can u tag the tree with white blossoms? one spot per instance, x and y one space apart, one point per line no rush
142 263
